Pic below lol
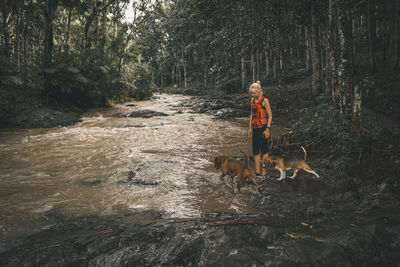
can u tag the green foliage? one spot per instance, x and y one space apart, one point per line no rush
8 78
320 126
294 74
381 93
140 75
83 83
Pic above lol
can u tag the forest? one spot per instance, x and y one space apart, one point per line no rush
74 54
86 53
113 114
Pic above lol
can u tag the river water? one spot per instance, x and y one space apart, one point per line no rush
108 163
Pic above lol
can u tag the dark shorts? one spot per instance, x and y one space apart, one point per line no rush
260 143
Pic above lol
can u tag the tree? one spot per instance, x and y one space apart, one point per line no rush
49 10
315 43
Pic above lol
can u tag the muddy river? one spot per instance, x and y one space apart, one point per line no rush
117 189
108 162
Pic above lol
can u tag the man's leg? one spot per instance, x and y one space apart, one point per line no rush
264 170
257 162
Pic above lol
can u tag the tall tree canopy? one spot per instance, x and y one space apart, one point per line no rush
85 52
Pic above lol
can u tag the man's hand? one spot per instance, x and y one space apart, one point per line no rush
266 133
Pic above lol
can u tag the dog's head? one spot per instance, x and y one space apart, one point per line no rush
268 162
217 162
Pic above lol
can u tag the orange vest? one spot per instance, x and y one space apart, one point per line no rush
259 114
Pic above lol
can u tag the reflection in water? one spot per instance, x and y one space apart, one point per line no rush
107 163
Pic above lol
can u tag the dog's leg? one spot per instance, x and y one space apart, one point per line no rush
294 173
260 193
282 174
308 169
313 172
233 188
239 182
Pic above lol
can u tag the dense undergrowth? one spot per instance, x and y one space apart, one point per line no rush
74 83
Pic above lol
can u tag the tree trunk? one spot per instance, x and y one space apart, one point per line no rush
307 49
266 63
6 16
345 49
184 67
385 35
49 10
173 75
279 58
179 76
356 118
316 70
371 34
253 69
24 47
204 67
275 67
115 33
332 50
97 33
395 34
104 32
321 52
258 64
291 54
68 33
243 73
120 63
91 18
354 32
280 68
17 42
89 21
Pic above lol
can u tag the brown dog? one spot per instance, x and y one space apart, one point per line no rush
288 163
232 167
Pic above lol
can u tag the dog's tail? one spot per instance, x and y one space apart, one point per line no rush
305 152
246 161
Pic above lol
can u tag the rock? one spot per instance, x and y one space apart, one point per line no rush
142 114
43 118
134 126
272 239
133 180
91 181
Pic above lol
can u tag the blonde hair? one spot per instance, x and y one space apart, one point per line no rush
255 87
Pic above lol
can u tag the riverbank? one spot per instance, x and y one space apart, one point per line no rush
347 220
268 239
28 110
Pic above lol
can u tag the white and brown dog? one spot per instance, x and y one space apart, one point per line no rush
288 163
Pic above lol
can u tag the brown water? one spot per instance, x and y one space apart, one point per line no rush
84 169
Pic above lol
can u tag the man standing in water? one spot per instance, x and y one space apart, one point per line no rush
260 123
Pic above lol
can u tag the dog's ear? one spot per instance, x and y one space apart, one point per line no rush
268 162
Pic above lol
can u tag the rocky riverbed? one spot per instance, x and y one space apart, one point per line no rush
348 221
